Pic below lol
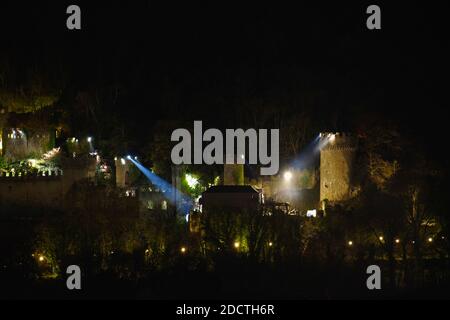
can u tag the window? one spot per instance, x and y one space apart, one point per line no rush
150 205
164 205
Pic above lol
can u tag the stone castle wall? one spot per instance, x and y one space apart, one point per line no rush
32 191
123 170
18 145
45 191
336 168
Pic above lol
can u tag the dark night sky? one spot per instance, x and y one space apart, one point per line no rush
212 54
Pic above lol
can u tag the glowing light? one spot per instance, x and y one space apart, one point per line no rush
51 154
237 245
287 176
16 134
430 239
89 139
310 152
136 158
350 243
397 240
41 258
311 213
183 249
32 162
270 244
381 238
129 157
115 158
191 181
123 161
332 137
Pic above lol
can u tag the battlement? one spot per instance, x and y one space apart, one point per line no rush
21 176
45 187
338 141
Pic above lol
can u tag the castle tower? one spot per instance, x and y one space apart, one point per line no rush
337 156
123 167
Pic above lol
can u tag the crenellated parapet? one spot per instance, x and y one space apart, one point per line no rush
24 175
338 141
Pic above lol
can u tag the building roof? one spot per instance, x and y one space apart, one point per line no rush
231 189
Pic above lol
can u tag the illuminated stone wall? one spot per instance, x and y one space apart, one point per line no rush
17 145
336 169
45 191
123 171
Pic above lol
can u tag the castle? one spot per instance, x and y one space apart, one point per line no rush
33 172
330 183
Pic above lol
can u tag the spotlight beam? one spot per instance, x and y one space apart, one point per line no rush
173 195
312 150
308 154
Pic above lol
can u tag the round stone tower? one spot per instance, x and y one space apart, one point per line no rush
123 167
337 155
